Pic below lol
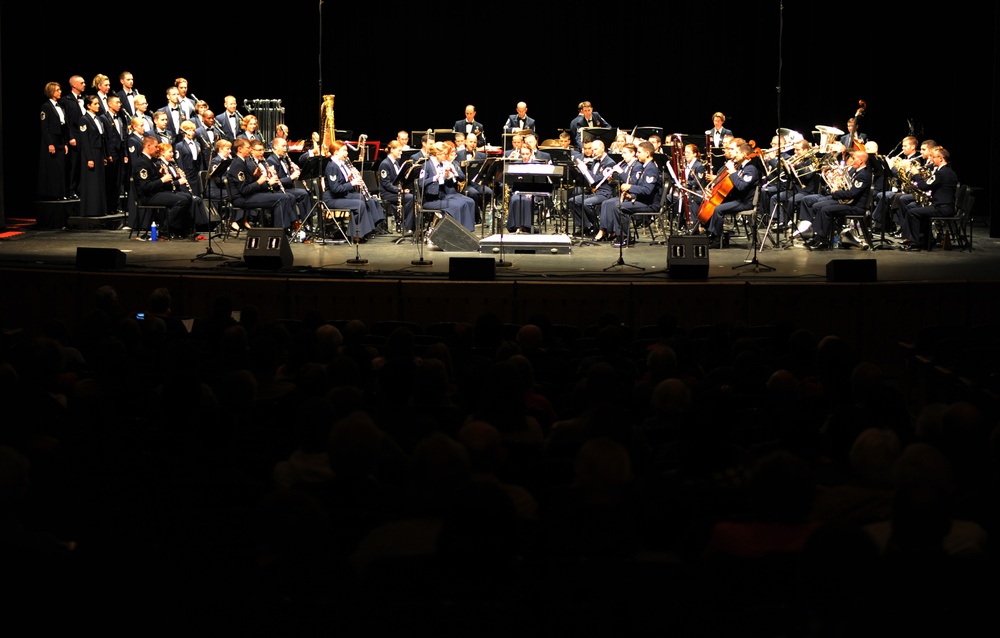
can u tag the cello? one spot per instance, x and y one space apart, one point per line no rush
716 191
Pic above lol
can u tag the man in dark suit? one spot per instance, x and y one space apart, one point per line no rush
852 199
388 189
191 155
716 137
74 107
585 205
470 126
127 93
115 132
520 122
942 184
229 121
175 115
587 118
287 174
745 178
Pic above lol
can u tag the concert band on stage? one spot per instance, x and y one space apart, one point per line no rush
804 191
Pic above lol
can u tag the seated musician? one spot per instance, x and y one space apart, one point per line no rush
850 199
908 158
532 141
693 180
253 188
521 205
804 182
439 184
216 193
469 154
587 118
640 189
288 174
585 206
906 197
519 121
156 186
389 190
515 146
744 178
656 142
345 189
942 184
610 224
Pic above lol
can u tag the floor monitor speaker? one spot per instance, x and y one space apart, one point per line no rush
267 249
450 236
687 257
472 268
99 258
852 270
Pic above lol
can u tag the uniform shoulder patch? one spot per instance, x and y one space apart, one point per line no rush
858 183
650 179
83 128
748 178
143 174
384 173
43 116
241 177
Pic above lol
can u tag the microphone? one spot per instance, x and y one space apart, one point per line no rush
430 135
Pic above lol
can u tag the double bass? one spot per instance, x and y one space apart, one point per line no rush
716 191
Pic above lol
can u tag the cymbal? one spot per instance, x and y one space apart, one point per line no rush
829 130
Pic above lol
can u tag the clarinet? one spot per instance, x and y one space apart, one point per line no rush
356 175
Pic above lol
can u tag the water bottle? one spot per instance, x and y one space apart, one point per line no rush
836 240
152 232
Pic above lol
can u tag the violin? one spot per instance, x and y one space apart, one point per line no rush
718 189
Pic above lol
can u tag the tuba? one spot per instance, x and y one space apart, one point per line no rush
329 129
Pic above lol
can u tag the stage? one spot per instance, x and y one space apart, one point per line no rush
877 302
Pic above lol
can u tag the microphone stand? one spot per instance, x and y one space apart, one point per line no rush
210 254
622 240
418 217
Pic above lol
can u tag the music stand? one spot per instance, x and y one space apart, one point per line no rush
404 180
492 166
605 134
645 132
315 168
622 240
220 169
883 172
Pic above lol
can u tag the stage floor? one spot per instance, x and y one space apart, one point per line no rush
389 256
